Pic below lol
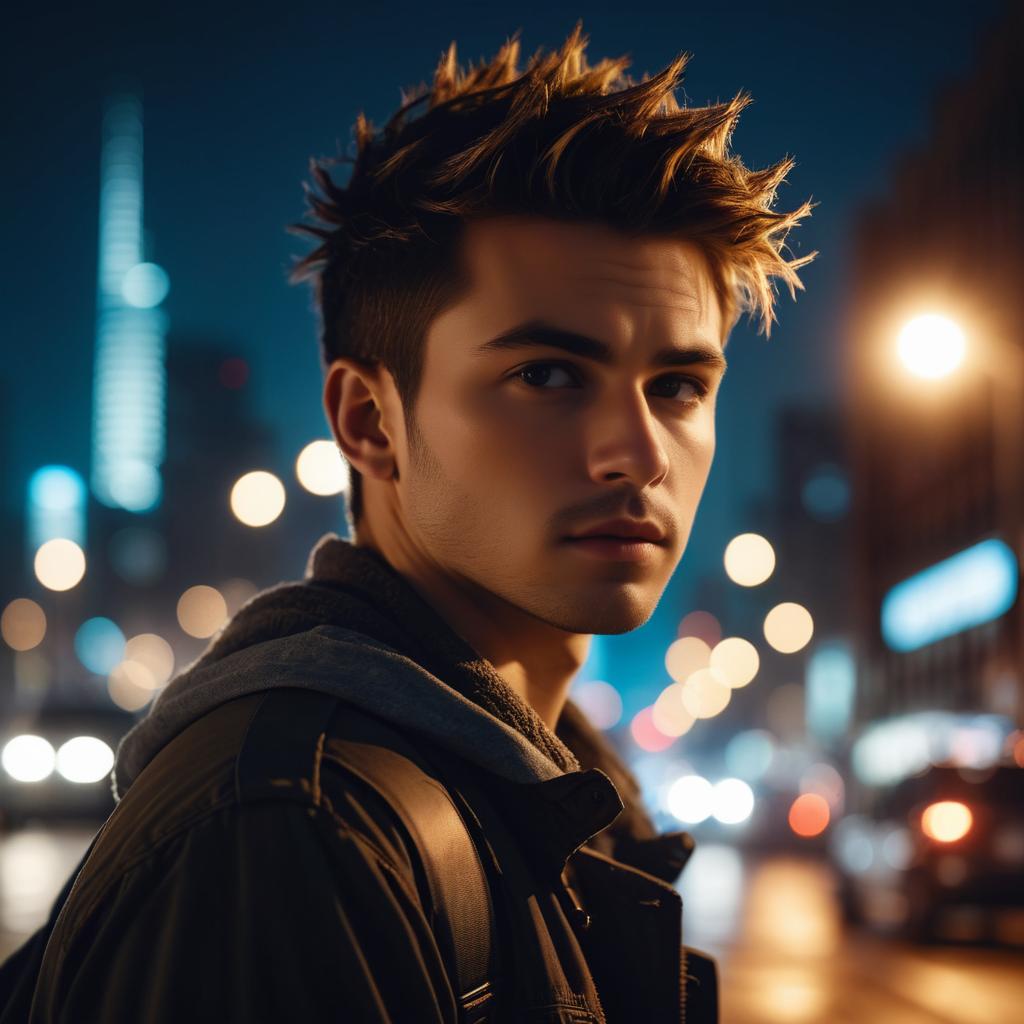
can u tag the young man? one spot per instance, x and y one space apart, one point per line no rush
371 799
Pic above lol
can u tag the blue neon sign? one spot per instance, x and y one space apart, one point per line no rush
972 587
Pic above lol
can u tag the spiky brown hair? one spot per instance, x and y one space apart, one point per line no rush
562 140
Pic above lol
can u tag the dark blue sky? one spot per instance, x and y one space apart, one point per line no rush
238 97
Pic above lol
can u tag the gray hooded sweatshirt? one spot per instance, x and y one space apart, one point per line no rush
357 629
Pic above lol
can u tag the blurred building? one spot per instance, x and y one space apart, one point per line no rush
807 520
938 460
194 538
128 373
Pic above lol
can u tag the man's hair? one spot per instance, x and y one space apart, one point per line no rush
561 140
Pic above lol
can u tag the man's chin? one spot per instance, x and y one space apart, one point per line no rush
613 618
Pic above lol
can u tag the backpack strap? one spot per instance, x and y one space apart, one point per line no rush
291 724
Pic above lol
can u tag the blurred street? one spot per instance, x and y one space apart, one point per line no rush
783 954
34 863
809 652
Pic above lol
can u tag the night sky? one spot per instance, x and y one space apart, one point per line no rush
238 97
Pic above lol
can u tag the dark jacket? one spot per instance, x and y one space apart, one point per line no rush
247 874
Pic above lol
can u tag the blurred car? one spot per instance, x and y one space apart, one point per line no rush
55 762
947 837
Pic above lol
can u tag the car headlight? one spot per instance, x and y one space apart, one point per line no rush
946 821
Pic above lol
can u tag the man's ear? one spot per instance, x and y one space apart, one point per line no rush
356 409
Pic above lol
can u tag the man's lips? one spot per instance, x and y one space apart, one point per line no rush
625 530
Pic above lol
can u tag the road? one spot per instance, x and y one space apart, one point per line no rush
772 924
785 958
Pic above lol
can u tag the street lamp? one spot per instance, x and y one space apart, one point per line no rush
932 346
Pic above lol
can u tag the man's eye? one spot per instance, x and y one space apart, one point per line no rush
541 373
538 375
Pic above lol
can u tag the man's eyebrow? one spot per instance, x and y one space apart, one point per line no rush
537 332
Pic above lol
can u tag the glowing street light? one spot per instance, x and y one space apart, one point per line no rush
60 564
749 559
931 346
321 469
257 498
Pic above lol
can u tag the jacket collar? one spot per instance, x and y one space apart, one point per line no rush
558 815
562 813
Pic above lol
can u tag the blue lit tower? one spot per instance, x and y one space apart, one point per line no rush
129 379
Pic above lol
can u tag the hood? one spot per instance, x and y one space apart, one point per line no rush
357 629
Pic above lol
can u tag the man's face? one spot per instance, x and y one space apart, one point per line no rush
518 447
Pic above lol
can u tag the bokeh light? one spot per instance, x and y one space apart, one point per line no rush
257 498
28 758
600 702
646 734
809 815
60 564
898 848
685 656
690 799
749 559
56 489
703 625
57 498
1018 752
788 627
946 821
84 759
321 469
130 685
706 693
732 801
154 653
669 715
749 754
202 610
23 624
736 660
931 346
145 285
99 644
825 780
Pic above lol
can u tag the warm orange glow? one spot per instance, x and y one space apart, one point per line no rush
60 564
809 815
202 611
788 627
737 659
946 821
668 713
931 346
706 693
1018 753
749 559
685 656
23 624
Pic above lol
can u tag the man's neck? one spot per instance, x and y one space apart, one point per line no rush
537 660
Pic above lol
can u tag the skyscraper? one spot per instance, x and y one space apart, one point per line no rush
129 380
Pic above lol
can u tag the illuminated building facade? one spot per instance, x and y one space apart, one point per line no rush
938 464
128 376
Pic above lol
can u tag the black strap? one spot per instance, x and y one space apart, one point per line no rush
291 725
